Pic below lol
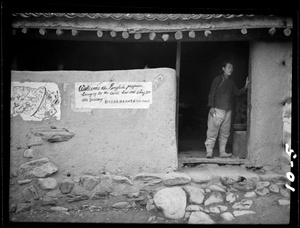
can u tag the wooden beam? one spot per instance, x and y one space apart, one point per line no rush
225 161
178 59
216 35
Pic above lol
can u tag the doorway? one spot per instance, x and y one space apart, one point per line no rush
200 64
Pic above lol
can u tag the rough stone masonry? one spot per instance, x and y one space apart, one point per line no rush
178 195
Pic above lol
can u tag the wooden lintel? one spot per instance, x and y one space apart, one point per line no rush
215 35
225 161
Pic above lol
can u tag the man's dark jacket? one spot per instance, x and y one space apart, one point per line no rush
221 93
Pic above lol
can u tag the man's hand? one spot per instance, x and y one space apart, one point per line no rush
247 82
212 112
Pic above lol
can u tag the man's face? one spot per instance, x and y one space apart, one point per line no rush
228 69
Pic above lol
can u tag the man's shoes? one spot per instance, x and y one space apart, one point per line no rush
209 154
225 155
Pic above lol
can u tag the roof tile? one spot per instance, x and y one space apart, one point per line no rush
136 16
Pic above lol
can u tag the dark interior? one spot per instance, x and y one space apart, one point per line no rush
89 55
200 63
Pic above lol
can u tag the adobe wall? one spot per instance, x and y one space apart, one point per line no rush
271 78
123 141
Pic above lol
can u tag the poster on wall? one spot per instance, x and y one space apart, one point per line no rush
113 94
35 101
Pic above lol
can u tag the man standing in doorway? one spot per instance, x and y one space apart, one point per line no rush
220 99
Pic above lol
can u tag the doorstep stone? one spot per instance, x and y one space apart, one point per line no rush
234 172
175 178
199 175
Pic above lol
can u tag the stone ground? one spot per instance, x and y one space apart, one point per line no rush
267 212
140 208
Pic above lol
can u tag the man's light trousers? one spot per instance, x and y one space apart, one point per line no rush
218 124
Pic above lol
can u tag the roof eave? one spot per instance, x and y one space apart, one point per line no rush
133 25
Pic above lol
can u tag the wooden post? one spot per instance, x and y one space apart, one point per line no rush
178 56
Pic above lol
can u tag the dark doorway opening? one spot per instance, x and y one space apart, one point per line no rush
200 63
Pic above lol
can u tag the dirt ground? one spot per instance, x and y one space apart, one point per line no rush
267 209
